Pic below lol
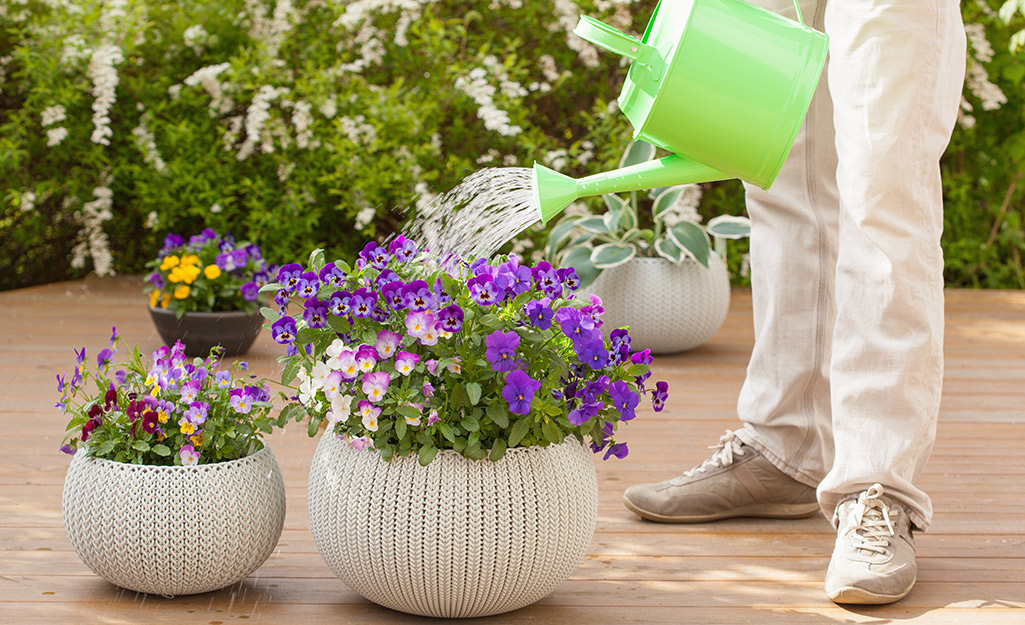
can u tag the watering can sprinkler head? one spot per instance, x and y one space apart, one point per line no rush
553 192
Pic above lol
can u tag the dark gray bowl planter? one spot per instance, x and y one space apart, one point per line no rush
235 331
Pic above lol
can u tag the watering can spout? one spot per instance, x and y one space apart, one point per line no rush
553 191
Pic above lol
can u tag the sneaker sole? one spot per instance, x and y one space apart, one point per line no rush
854 595
761 511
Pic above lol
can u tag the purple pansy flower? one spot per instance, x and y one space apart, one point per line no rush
585 412
660 395
576 325
392 293
451 318
331 275
484 291
428 389
281 299
157 280
539 313
250 291
339 303
403 249
189 391
222 379
241 401
480 266
618 450
240 257
386 276
283 330
501 350
366 357
569 278
546 278
624 399
362 303
516 278
519 391
440 296
417 297
380 313
592 353
308 285
316 313
289 276
103 358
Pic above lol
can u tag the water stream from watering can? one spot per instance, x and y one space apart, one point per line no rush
479 215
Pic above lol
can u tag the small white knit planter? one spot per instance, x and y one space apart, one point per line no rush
670 308
459 537
174 530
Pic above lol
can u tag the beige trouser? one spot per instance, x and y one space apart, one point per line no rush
843 387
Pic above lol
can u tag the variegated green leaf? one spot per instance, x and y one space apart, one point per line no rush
691 238
669 250
637 152
729 227
594 223
665 200
609 255
560 234
580 259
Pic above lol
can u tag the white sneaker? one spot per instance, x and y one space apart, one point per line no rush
874 558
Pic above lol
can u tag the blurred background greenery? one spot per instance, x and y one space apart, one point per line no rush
320 123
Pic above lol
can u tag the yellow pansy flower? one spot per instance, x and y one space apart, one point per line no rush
197 439
212 272
167 300
182 291
191 259
169 261
176 275
154 298
190 273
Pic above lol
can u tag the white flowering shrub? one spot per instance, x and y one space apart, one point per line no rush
292 123
318 123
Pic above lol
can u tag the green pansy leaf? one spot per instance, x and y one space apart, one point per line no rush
470 424
161 450
551 432
338 324
312 428
270 314
426 455
498 415
270 286
637 152
691 238
668 250
288 375
729 227
140 445
609 255
317 261
637 370
408 411
497 451
400 428
474 452
518 431
473 391
447 431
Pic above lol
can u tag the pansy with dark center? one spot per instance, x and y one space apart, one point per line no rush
440 296
283 330
546 277
331 275
483 290
339 303
240 257
392 294
403 249
308 285
569 278
362 303
386 276
451 318
316 313
250 292
659 396
417 296
289 276
519 391
380 314
501 350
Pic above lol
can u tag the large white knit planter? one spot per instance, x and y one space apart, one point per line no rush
669 308
459 537
174 530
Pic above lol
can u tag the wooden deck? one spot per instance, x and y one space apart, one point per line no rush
972 562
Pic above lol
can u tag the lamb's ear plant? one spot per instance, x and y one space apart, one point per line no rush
642 224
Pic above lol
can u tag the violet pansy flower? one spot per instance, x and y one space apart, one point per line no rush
483 290
387 343
618 450
283 330
519 391
366 357
403 249
316 313
289 276
392 294
417 296
308 285
659 396
370 413
417 323
501 350
592 353
539 314
624 400
362 303
189 456
405 362
250 292
339 303
451 318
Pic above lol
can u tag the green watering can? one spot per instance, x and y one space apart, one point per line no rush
722 84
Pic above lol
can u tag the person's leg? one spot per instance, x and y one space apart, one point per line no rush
896 72
771 466
784 403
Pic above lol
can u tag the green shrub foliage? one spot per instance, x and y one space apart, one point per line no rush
319 123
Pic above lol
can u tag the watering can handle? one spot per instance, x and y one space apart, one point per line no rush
605 36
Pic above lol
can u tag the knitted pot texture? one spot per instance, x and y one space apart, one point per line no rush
669 308
174 530
459 537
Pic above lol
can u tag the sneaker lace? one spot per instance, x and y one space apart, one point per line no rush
729 445
870 521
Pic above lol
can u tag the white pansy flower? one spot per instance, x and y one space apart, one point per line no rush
341 409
